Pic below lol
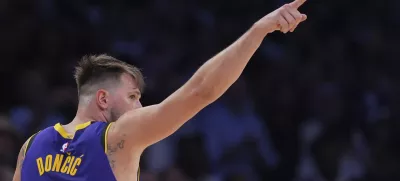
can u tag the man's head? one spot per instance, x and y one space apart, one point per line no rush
113 86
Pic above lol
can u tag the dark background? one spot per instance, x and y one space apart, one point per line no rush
318 104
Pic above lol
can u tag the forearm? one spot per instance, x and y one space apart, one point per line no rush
220 72
153 123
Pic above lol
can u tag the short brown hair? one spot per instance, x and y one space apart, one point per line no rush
96 69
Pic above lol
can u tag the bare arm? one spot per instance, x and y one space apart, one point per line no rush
148 125
21 158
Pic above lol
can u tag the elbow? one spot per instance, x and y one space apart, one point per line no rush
204 91
205 94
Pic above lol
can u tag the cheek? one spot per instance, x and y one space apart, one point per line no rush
127 104
134 104
130 104
121 104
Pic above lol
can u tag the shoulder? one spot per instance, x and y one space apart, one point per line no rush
96 126
21 157
117 141
22 151
29 142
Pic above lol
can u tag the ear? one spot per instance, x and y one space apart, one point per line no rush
103 99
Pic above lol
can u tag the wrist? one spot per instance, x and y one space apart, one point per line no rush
260 29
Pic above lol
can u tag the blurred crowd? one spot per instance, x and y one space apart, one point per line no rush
319 104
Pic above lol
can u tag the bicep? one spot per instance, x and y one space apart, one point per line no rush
148 125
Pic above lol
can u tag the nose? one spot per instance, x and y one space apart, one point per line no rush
138 104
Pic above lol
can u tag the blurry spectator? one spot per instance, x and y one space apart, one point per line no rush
173 174
147 176
192 158
35 110
227 124
160 156
10 141
6 173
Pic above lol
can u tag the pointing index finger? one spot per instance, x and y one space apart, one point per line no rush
297 3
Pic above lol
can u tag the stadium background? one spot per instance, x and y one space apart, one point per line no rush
318 104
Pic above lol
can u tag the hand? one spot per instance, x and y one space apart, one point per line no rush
285 19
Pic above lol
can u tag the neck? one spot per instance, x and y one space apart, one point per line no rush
86 114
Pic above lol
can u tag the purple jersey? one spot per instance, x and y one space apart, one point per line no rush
52 154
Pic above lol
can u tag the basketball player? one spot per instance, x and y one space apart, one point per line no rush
105 140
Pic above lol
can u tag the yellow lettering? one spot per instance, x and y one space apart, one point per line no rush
39 162
73 168
70 164
57 163
49 161
65 167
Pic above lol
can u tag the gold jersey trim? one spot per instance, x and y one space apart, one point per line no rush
105 138
65 134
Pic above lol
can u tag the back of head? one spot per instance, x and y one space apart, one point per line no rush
101 71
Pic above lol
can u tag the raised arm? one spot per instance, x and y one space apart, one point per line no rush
143 127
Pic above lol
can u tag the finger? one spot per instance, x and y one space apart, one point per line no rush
294 27
284 25
289 18
303 18
296 16
297 3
